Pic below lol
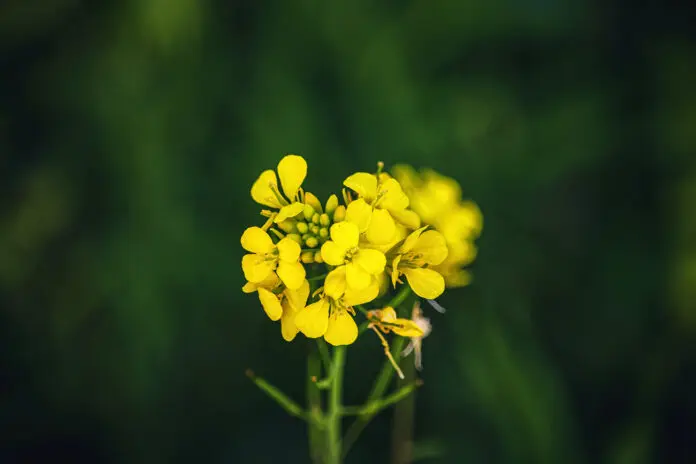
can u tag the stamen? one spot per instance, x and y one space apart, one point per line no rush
277 233
437 306
346 197
268 223
387 352
276 192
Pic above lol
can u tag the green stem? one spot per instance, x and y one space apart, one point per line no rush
286 403
382 403
333 417
314 402
400 297
325 355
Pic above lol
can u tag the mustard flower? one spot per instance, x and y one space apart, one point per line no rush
279 302
421 249
357 265
381 205
292 170
265 257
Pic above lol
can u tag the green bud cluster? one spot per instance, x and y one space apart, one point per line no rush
311 228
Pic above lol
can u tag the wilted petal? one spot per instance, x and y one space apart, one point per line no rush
313 320
292 170
256 268
292 274
257 240
407 328
425 283
364 184
270 304
342 329
262 192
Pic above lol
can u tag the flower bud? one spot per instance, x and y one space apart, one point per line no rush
314 229
339 214
308 212
315 218
323 232
324 220
307 257
331 204
295 237
302 227
306 236
313 201
312 242
287 226
318 258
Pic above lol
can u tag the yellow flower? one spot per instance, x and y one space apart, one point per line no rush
387 321
292 170
267 257
332 318
357 266
421 249
280 303
381 204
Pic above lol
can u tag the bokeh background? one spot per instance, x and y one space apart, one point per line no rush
130 134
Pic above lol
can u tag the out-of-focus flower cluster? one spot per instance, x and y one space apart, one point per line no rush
312 263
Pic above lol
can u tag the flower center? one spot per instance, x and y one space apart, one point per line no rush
351 253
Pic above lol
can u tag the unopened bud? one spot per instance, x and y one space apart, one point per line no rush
323 232
318 258
308 212
314 229
339 214
324 220
287 226
312 242
307 257
306 236
331 204
302 227
313 201
295 237
315 218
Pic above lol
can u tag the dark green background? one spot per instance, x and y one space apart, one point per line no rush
130 134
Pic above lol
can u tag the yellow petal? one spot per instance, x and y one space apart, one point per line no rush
359 213
288 212
345 234
288 328
297 299
407 218
355 297
257 240
335 283
288 250
313 201
342 329
269 283
387 314
364 184
270 304
333 253
395 270
357 278
250 287
372 261
292 171
262 192
432 247
407 328
425 283
382 227
393 197
313 320
255 268
411 240
292 274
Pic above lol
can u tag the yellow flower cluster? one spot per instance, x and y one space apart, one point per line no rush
437 200
311 264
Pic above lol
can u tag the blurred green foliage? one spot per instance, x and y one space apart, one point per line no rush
130 134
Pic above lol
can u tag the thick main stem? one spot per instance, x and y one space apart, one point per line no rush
333 416
314 402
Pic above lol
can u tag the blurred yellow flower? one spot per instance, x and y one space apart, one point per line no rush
265 257
357 266
292 170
